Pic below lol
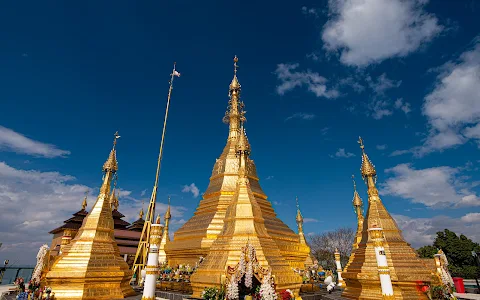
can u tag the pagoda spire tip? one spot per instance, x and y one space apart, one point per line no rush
367 169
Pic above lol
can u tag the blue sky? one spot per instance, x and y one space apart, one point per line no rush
315 75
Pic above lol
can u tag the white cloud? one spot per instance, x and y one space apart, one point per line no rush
35 202
313 56
17 142
353 83
269 177
309 11
290 79
422 231
143 193
342 153
370 31
380 106
381 147
192 188
302 116
310 220
471 218
382 84
436 187
403 106
453 107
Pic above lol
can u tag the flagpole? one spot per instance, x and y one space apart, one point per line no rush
160 154
143 245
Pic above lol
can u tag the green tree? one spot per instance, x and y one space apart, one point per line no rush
458 250
427 251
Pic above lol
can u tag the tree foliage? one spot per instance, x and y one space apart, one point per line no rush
458 250
323 246
427 251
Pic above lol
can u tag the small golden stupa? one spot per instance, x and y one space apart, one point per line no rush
310 260
234 210
90 266
162 255
407 271
358 208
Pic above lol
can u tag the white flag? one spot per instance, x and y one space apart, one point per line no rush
175 73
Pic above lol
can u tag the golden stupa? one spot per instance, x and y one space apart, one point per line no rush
234 210
90 266
408 272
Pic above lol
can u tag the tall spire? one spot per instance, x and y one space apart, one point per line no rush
358 208
234 114
243 152
299 220
299 217
84 203
140 215
367 169
114 198
168 215
357 201
111 165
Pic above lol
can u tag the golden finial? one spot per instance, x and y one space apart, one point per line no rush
367 169
357 201
235 84
157 220
168 215
114 197
116 136
336 250
140 215
111 164
243 144
235 60
84 203
299 217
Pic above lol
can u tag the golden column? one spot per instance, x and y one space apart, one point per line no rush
91 267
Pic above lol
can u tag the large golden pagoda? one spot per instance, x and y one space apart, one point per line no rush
90 266
235 209
407 271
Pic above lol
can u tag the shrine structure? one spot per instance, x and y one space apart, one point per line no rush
381 251
90 266
235 210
